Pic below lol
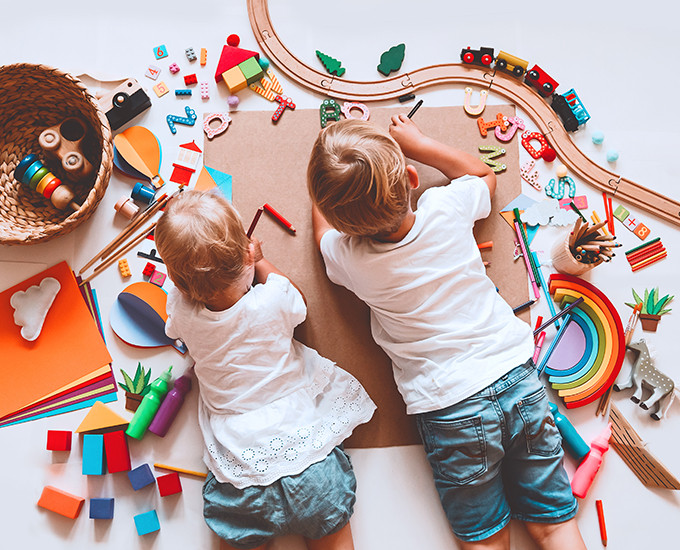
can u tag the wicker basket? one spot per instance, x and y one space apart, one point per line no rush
32 98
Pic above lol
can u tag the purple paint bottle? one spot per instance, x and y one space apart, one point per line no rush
171 404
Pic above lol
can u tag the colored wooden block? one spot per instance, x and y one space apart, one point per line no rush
141 476
157 278
204 57
117 452
61 502
621 213
161 89
182 92
147 522
234 79
205 93
149 268
230 57
152 72
174 68
101 419
93 454
641 231
169 484
190 79
190 53
160 52
58 440
101 508
251 70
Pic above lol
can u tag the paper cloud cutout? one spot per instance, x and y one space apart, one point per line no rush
548 212
31 306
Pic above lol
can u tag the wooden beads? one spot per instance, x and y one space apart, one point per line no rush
33 173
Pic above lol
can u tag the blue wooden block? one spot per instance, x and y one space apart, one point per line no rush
141 477
93 454
160 52
182 92
101 508
147 522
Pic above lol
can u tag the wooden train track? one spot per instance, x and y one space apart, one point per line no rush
503 84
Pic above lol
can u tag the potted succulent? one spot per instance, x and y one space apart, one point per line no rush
135 388
653 307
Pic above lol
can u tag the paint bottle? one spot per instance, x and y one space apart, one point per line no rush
571 440
585 473
149 405
171 404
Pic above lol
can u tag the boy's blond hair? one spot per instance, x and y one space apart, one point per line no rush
357 178
200 238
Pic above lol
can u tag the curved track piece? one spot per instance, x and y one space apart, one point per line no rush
504 85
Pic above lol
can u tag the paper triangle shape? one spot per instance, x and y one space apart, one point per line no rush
101 419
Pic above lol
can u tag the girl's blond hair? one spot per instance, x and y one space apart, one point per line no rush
357 178
200 238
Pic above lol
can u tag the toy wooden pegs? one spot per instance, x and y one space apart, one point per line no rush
64 142
61 502
283 102
329 110
58 440
501 120
33 173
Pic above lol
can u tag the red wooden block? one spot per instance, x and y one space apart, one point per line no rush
149 268
169 484
61 502
190 79
58 440
117 453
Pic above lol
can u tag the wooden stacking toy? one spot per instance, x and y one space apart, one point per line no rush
33 173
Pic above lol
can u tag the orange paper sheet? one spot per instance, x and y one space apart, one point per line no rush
68 349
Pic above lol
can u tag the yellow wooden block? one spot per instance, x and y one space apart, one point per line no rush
234 79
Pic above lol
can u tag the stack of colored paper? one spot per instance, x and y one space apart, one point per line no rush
66 368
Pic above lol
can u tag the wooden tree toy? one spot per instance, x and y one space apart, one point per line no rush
33 173
644 372
332 65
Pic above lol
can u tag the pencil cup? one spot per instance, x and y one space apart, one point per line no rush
564 260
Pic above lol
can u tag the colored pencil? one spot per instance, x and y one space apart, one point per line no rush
415 108
559 314
642 245
544 287
611 217
256 218
553 344
632 321
600 520
645 253
269 208
525 240
596 219
527 261
179 470
523 306
649 261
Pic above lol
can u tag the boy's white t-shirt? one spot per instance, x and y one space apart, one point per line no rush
269 406
434 310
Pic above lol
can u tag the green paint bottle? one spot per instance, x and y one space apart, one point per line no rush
149 406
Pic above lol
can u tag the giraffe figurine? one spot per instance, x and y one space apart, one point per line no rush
644 371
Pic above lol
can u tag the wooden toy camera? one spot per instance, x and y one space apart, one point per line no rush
65 142
124 103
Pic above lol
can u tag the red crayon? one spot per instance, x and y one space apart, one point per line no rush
600 520
278 216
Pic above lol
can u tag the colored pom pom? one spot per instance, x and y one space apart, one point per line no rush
264 63
549 154
233 40
561 171
598 137
612 156
232 100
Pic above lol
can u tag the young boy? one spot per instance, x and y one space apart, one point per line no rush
461 359
273 412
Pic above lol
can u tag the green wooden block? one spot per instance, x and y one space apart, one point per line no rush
251 70
621 213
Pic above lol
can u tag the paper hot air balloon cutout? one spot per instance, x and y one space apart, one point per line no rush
138 153
138 317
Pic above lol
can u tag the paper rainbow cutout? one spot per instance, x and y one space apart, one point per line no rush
597 332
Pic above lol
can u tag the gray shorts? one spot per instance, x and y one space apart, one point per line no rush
314 503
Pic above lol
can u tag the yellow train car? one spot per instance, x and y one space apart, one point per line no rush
511 64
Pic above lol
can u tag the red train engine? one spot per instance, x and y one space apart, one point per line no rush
482 56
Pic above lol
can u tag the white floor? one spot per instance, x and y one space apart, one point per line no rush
618 56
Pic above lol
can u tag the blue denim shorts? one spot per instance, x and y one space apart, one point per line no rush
314 503
497 455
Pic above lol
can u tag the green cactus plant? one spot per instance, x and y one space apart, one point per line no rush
652 307
135 388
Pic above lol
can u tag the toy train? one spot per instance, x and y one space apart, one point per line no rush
568 106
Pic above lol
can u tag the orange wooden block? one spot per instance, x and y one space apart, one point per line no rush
641 230
234 79
101 419
61 502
